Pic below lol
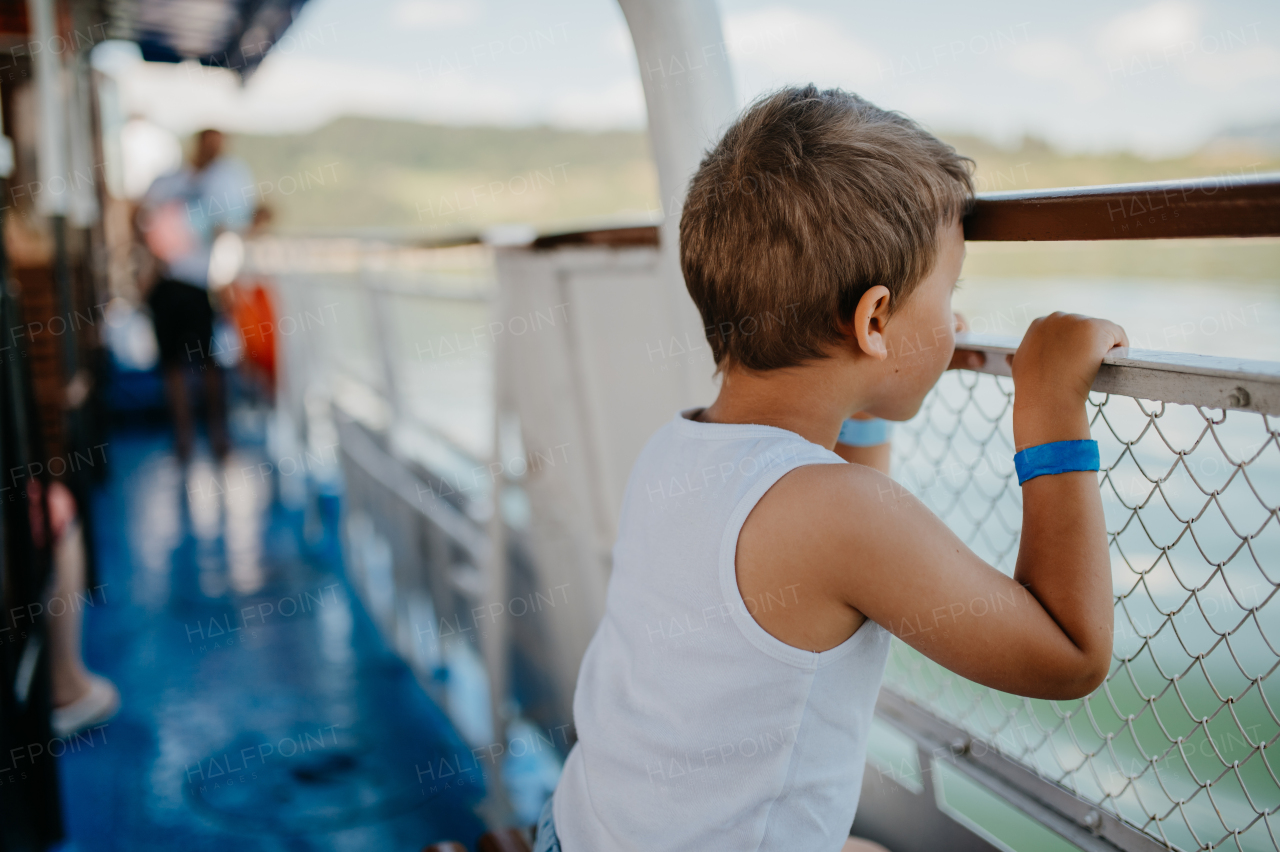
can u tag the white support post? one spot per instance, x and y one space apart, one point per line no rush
51 158
688 89
589 383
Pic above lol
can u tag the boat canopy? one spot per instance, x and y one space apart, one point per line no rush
234 34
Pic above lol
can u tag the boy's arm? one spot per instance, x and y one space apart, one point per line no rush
855 536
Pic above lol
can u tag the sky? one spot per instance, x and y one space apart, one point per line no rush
1157 78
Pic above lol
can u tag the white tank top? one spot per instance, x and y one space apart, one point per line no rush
697 730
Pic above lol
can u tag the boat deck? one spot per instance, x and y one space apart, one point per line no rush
260 707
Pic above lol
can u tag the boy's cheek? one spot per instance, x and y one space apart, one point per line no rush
902 407
945 345
914 376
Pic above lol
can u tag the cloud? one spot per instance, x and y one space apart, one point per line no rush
1167 37
1151 28
1085 86
435 14
297 93
1228 70
618 38
799 46
1058 61
619 104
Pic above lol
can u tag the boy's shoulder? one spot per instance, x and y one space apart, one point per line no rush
821 522
815 529
811 506
719 459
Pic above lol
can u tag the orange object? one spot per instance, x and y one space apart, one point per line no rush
251 309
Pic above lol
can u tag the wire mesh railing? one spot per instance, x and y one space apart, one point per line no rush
1180 740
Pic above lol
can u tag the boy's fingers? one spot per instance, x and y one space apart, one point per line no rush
966 359
1116 333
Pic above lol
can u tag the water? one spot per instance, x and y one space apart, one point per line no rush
1225 318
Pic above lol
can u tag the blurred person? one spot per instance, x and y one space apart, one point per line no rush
179 218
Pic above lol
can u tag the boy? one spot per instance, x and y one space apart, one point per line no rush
725 700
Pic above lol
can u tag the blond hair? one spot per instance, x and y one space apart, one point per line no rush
810 199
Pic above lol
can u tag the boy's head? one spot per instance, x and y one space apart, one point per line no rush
810 201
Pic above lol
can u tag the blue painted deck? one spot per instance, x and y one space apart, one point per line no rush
260 708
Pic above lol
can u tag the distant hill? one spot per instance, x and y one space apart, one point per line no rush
1263 139
363 174
374 174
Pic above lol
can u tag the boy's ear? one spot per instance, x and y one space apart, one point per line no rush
869 320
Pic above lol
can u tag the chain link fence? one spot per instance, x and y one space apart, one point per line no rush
1180 740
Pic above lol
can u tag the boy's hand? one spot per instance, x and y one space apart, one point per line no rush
1053 370
965 359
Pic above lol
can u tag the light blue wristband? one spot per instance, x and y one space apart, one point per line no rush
1055 457
865 433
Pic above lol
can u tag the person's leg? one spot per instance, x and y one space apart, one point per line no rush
80 698
69 676
199 346
216 403
170 314
175 380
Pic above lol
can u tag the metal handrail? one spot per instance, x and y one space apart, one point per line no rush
1208 381
392 475
1227 206
1224 206
1069 816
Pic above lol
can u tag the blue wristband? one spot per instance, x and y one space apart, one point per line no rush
864 433
1055 457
